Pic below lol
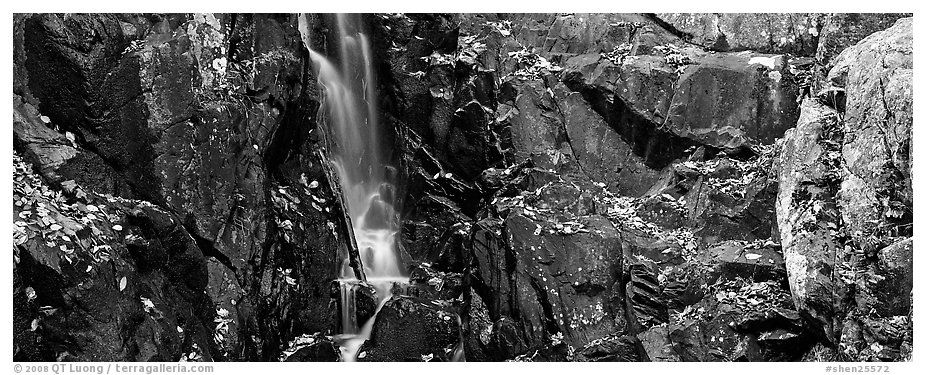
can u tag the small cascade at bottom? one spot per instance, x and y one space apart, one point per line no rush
348 110
353 336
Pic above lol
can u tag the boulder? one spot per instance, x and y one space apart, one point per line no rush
876 195
428 230
426 282
604 156
632 94
477 329
725 100
409 329
544 263
532 118
843 30
884 289
808 217
730 101
656 344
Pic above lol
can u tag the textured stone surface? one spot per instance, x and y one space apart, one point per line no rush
877 75
808 217
573 187
561 272
407 329
105 279
729 101
202 115
843 30
600 150
794 33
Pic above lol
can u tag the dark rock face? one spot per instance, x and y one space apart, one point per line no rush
407 329
665 101
322 352
429 230
532 117
105 278
209 118
561 268
599 149
807 217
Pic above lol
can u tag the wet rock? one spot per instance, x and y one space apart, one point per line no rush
312 348
429 229
718 199
408 329
633 97
428 175
366 301
469 143
320 352
794 33
559 255
578 307
196 114
742 320
664 211
426 282
84 85
644 82
729 101
477 328
713 340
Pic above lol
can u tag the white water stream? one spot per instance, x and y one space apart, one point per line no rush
349 112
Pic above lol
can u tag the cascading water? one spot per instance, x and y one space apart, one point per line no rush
349 111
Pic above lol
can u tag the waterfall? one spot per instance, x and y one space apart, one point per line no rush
349 113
